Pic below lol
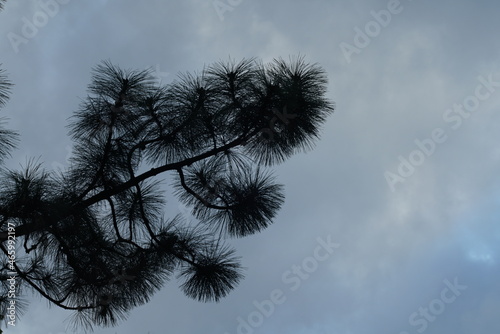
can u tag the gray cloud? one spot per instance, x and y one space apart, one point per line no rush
397 247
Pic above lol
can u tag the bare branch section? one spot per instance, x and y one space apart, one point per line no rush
93 239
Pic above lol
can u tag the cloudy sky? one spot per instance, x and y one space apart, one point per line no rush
390 224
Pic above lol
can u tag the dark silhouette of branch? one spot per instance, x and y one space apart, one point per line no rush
93 238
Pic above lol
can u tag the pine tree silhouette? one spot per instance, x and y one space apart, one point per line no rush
94 239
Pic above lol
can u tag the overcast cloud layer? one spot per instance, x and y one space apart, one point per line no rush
404 185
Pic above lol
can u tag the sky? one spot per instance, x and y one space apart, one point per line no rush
390 224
